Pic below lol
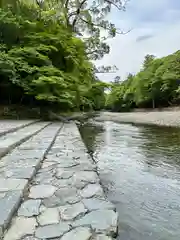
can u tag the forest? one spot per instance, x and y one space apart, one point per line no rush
156 85
45 58
47 50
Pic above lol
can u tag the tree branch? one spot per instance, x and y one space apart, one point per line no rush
106 28
116 5
78 12
66 4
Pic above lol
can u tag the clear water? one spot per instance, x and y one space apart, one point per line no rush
139 168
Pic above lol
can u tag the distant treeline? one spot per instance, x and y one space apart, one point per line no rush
156 85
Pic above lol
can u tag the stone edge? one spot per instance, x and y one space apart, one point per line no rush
2 230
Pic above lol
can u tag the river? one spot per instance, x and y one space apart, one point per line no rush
139 168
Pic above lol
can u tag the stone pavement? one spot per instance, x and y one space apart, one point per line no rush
49 189
7 126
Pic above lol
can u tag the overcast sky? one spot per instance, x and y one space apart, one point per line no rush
155 28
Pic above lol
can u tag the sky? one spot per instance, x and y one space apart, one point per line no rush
155 29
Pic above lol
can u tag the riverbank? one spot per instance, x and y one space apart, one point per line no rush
49 186
166 118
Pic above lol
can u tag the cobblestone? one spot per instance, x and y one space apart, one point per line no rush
64 200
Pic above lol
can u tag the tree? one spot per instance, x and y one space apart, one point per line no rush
42 61
148 60
156 85
87 19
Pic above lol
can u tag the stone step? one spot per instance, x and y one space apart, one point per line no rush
8 126
18 167
12 140
65 199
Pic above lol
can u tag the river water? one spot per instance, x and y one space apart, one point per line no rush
139 167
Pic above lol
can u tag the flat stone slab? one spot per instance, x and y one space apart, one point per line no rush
80 233
86 176
52 231
42 191
29 238
11 139
95 204
30 208
12 125
20 173
64 174
72 211
9 202
49 216
12 184
91 190
20 228
101 237
68 195
84 166
101 221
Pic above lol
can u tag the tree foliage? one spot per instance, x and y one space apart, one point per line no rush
156 85
42 60
87 18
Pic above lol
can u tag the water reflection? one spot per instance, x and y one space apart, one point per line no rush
140 170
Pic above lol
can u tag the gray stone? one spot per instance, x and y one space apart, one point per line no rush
20 228
72 211
101 237
52 231
68 164
24 163
91 190
81 233
42 191
8 205
102 221
86 176
63 174
30 208
95 204
68 195
2 195
29 238
51 169
21 173
78 183
48 164
61 183
42 208
44 178
84 166
12 184
53 201
49 216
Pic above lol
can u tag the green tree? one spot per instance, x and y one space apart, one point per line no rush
42 61
156 85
